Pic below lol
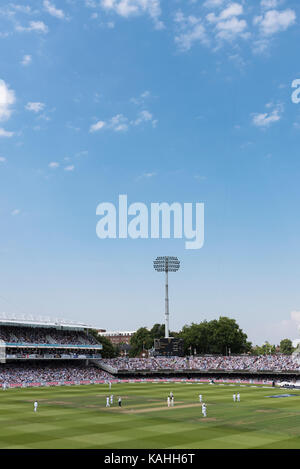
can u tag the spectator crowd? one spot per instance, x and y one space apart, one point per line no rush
204 363
30 373
39 335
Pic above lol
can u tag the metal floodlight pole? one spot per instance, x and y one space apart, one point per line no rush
166 264
167 307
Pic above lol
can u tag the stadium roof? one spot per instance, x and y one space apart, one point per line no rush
10 319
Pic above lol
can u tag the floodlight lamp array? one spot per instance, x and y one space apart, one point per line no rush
166 264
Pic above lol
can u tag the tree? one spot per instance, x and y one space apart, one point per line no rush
157 331
195 336
227 335
217 336
108 350
265 349
286 347
141 340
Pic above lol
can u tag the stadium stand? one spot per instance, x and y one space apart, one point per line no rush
37 351
205 363
43 350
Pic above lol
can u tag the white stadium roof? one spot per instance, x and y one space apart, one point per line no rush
40 321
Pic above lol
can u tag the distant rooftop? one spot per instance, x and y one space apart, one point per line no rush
11 319
116 333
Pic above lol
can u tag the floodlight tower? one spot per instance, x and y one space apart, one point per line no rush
166 264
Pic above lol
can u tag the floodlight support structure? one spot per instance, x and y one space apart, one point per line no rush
167 307
166 264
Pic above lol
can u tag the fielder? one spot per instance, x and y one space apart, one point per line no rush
35 406
107 402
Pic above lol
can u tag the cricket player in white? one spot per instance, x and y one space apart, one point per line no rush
107 402
172 401
204 409
109 385
234 397
169 401
200 397
112 399
35 406
238 397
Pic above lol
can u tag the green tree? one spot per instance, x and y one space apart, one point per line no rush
265 349
108 350
286 347
195 336
157 331
217 336
225 335
141 340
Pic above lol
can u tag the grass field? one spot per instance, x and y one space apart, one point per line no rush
76 417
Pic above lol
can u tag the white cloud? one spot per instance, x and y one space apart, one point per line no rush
224 25
269 4
5 133
70 168
7 99
213 3
268 118
234 9
295 316
27 59
190 30
260 46
16 212
287 328
274 21
127 8
227 24
146 116
2 159
35 107
38 26
118 123
90 4
121 123
98 126
231 28
143 116
22 8
52 10
141 99
53 165
146 176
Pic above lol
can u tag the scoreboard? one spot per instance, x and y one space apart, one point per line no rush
169 347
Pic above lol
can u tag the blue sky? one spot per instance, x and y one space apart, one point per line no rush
186 101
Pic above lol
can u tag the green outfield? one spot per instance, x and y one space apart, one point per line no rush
76 417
